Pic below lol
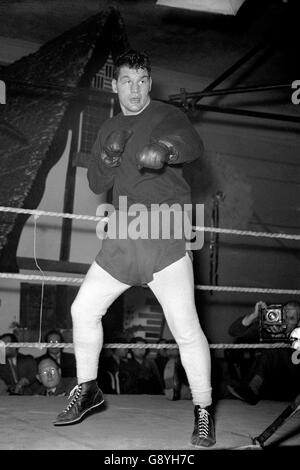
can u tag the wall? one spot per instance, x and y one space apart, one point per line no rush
256 162
265 155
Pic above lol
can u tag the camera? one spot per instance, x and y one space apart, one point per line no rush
272 324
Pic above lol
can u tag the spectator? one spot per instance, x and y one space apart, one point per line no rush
140 375
110 366
176 385
66 361
161 358
244 330
274 375
49 380
19 369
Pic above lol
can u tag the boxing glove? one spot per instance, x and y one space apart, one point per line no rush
156 154
114 147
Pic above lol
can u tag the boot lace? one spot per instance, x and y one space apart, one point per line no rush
203 422
75 393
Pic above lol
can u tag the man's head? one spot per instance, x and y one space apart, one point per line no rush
162 351
49 373
54 336
121 353
292 312
132 81
172 352
139 353
10 338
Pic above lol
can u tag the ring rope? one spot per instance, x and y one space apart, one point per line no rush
79 280
250 233
38 213
149 345
50 214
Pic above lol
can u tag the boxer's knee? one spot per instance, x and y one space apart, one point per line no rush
86 314
188 337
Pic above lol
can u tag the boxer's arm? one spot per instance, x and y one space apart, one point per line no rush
176 132
100 177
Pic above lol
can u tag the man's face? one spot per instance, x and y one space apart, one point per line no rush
139 353
133 88
49 374
121 353
54 338
292 318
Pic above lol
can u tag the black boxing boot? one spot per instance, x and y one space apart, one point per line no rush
83 398
204 428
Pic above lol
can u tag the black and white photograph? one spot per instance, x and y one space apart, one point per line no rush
149 228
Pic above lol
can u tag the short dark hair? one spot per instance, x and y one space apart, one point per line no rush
54 332
294 304
12 336
138 339
46 357
134 60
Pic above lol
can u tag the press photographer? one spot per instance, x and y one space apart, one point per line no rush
276 322
271 374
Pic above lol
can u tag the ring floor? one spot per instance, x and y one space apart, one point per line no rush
133 422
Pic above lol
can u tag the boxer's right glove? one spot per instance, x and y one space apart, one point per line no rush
114 147
156 154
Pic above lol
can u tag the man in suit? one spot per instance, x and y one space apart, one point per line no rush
49 381
274 375
66 361
19 369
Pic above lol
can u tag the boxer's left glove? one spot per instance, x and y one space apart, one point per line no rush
156 155
114 147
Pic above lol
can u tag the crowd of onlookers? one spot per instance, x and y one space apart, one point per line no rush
138 370
53 373
246 374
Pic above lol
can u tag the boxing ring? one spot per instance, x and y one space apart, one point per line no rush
137 422
142 422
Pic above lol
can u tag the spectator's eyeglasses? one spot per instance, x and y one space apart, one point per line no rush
51 371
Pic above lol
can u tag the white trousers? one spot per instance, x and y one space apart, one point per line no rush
174 288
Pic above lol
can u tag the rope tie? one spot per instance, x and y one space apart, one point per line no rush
2 352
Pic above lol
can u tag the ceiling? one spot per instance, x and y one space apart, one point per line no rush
191 42
201 43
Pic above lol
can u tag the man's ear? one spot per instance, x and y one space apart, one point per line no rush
38 378
114 85
150 83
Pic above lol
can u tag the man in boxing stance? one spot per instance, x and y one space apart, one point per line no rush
141 153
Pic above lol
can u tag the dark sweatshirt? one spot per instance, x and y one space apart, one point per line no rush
146 186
